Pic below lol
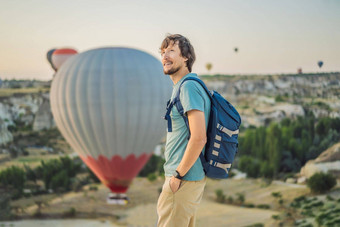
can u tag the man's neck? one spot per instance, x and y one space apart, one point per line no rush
179 75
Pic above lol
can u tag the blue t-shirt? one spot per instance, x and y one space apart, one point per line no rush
192 96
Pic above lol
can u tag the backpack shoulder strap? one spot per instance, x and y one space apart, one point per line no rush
197 80
177 100
178 104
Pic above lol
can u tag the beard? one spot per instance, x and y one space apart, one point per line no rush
171 70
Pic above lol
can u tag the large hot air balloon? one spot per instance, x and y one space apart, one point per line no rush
59 56
108 104
49 58
320 63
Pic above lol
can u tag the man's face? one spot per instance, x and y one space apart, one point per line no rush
172 59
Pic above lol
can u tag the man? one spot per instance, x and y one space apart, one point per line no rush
185 178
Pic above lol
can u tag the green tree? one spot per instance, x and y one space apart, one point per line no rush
5 206
323 126
71 166
258 143
92 176
13 178
57 167
61 182
249 165
30 173
247 142
266 170
273 139
49 170
287 145
154 164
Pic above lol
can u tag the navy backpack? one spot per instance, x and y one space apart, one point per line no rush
222 132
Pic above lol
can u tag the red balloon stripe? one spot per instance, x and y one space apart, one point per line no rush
115 172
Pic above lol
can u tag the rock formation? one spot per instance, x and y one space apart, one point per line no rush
328 161
5 135
43 117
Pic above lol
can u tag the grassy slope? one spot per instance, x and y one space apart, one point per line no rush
6 92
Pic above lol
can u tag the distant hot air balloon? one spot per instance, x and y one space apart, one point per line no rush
108 104
208 66
320 63
49 58
236 49
59 56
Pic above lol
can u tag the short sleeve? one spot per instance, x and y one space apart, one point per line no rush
191 96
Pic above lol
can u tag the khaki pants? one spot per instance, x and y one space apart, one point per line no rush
179 209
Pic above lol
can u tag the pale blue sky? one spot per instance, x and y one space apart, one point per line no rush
272 36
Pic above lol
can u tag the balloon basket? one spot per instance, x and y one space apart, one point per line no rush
117 199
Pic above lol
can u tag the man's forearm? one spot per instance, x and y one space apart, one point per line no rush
192 152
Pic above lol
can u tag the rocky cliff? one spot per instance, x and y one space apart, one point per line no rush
25 110
328 161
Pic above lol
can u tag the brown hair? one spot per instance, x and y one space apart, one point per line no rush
187 50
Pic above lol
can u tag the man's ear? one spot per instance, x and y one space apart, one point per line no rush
187 58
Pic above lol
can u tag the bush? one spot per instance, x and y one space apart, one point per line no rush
93 188
220 197
263 206
249 205
240 198
70 213
329 198
299 201
281 201
279 98
152 177
256 225
277 194
230 199
275 217
321 182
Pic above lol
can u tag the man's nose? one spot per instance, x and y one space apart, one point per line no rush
165 55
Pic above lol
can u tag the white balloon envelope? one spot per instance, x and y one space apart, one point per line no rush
108 104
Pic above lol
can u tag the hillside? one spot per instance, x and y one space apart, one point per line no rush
262 99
